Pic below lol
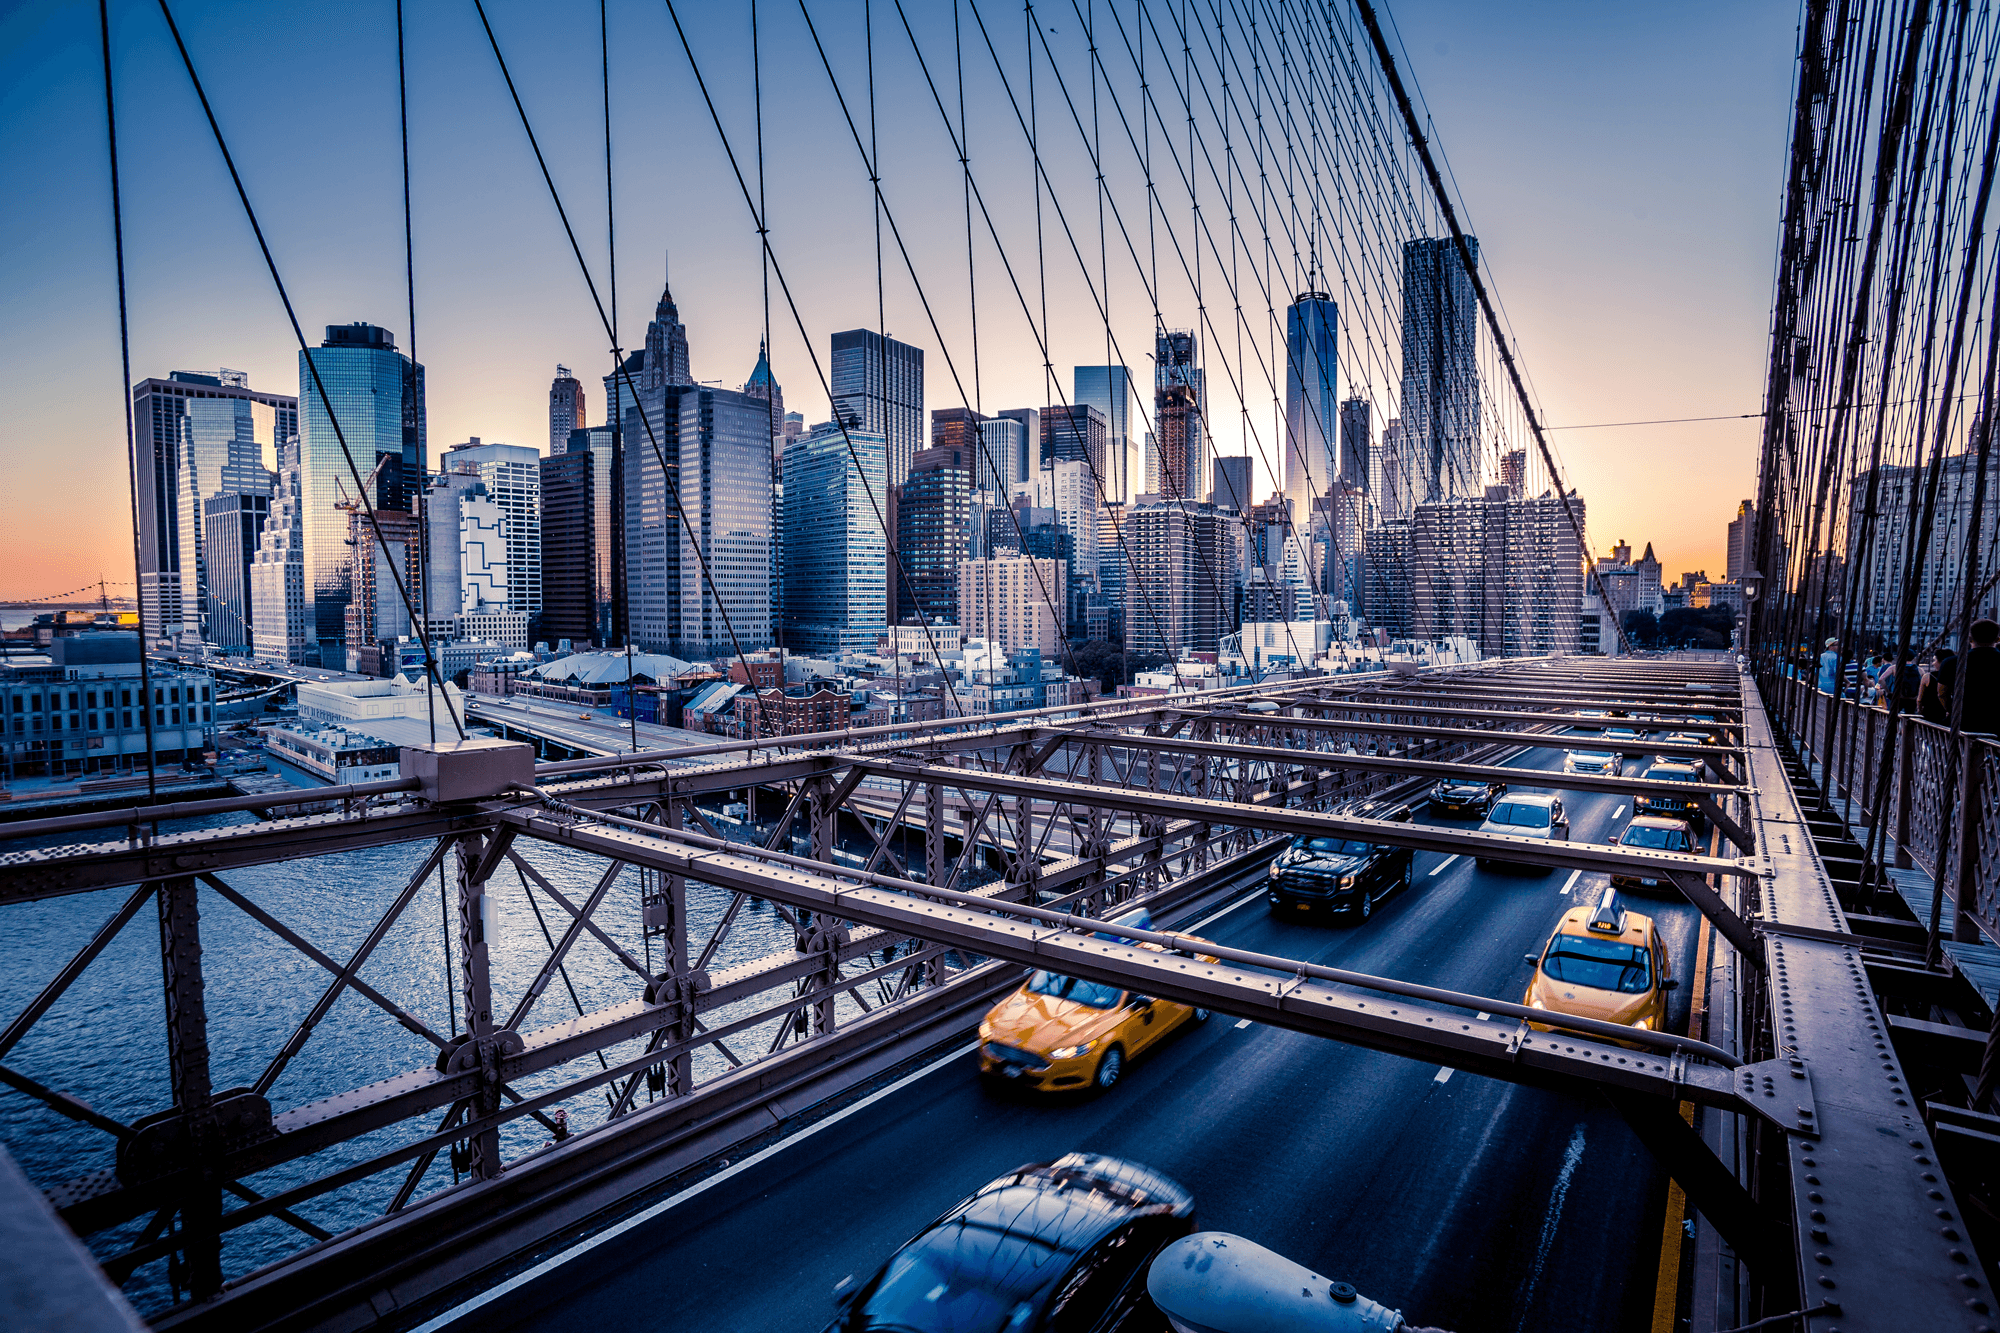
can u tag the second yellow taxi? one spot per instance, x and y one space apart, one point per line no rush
1603 962
1066 1034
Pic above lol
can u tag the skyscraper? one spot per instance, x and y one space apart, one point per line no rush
1504 573
566 411
277 572
1356 434
1742 541
1440 407
607 546
377 397
1312 330
963 428
233 522
662 363
836 561
762 384
1075 433
1184 557
197 436
1026 443
569 514
931 527
1392 477
878 384
1179 403
513 477
1232 483
725 489
1109 390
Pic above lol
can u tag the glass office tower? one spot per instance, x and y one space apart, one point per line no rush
377 397
1109 390
1312 411
1440 407
878 385
836 562
725 489
198 435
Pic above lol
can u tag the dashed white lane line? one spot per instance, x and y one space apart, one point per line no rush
1570 883
1443 1074
1242 1023
1439 869
1484 1017
1619 813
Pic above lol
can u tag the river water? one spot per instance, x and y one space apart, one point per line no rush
103 1041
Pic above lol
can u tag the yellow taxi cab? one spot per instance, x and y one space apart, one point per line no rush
1060 1034
1606 963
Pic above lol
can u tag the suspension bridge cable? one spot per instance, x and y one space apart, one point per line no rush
319 385
125 392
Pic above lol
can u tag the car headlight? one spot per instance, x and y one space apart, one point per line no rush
1536 1004
1643 1024
1347 881
1276 870
985 1029
1071 1052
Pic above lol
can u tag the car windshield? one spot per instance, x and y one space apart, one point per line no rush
1330 846
1521 816
1659 839
1591 756
961 1278
1620 731
1074 988
1599 964
1661 773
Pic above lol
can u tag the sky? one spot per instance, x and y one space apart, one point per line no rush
1621 165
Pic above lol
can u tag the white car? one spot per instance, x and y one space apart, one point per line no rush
1526 815
1600 763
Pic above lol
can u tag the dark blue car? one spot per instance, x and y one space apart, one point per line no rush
1054 1245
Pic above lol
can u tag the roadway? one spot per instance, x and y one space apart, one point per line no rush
578 727
1474 1205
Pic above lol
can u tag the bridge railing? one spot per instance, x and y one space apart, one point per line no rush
1943 816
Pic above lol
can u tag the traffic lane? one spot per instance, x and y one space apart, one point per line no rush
1286 1134
1270 1101
1275 1121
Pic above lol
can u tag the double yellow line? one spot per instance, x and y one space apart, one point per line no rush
1666 1294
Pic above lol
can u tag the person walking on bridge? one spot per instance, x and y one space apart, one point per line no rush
1978 680
1829 667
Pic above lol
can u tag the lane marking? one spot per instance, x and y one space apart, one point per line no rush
1484 1017
1248 898
1242 1023
589 1243
1570 883
1571 1156
1619 813
1443 1074
1441 865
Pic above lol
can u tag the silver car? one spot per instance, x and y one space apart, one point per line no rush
1598 763
1526 815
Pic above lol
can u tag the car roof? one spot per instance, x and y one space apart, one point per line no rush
1071 1203
1672 763
1656 821
1576 921
1531 798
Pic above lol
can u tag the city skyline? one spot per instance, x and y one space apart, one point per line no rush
226 314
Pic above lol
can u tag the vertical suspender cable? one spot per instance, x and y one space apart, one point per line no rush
125 392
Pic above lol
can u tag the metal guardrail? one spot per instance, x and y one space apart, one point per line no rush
1961 853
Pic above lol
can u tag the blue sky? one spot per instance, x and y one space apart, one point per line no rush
1621 165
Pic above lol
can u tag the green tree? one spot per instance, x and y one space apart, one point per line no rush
1642 628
